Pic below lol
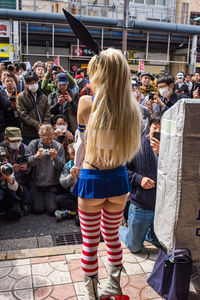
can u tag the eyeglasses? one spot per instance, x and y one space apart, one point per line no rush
47 138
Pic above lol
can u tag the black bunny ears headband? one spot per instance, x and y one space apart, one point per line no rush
82 33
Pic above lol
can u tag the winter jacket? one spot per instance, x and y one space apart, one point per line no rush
47 170
27 112
143 165
5 105
48 87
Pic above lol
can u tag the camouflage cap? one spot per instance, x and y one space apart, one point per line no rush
13 133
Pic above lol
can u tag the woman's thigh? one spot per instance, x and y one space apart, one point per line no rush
112 204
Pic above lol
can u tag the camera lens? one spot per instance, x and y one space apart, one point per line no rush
7 169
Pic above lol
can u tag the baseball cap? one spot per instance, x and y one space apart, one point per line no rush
62 78
13 133
148 74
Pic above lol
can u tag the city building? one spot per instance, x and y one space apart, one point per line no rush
42 34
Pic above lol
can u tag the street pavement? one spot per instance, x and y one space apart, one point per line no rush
33 231
55 273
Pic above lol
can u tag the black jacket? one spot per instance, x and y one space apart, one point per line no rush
143 165
5 105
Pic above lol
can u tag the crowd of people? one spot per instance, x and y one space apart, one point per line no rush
38 134
43 145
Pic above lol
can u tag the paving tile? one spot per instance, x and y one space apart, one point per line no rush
59 266
60 277
41 269
147 265
7 296
75 270
24 283
73 256
17 262
41 281
47 259
79 289
6 263
20 272
6 284
129 258
62 292
24 294
45 274
142 255
148 293
132 268
19 276
81 297
5 271
138 281
42 292
132 292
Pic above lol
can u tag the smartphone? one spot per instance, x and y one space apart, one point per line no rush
156 135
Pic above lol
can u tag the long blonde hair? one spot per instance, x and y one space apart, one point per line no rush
115 116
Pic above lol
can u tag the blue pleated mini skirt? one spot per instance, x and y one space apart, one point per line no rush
100 184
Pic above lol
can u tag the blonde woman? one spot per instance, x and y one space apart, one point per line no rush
109 136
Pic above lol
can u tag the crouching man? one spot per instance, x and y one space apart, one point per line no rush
47 158
9 201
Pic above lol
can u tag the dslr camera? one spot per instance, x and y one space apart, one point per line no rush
6 168
54 68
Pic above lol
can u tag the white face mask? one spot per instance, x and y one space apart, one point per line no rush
14 146
165 92
180 79
62 128
33 87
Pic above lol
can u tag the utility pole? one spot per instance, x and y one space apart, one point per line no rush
193 56
125 26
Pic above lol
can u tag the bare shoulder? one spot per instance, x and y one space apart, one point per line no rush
85 101
84 109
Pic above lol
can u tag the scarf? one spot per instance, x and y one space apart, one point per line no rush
145 91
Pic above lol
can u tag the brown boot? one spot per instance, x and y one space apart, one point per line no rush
112 287
91 287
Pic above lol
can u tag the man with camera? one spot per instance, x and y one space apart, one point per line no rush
61 132
63 101
11 91
9 200
17 154
32 107
47 158
49 82
166 97
5 106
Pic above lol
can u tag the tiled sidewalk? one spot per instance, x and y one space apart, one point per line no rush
60 277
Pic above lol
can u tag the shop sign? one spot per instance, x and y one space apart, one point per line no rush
81 51
4 29
141 66
6 49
